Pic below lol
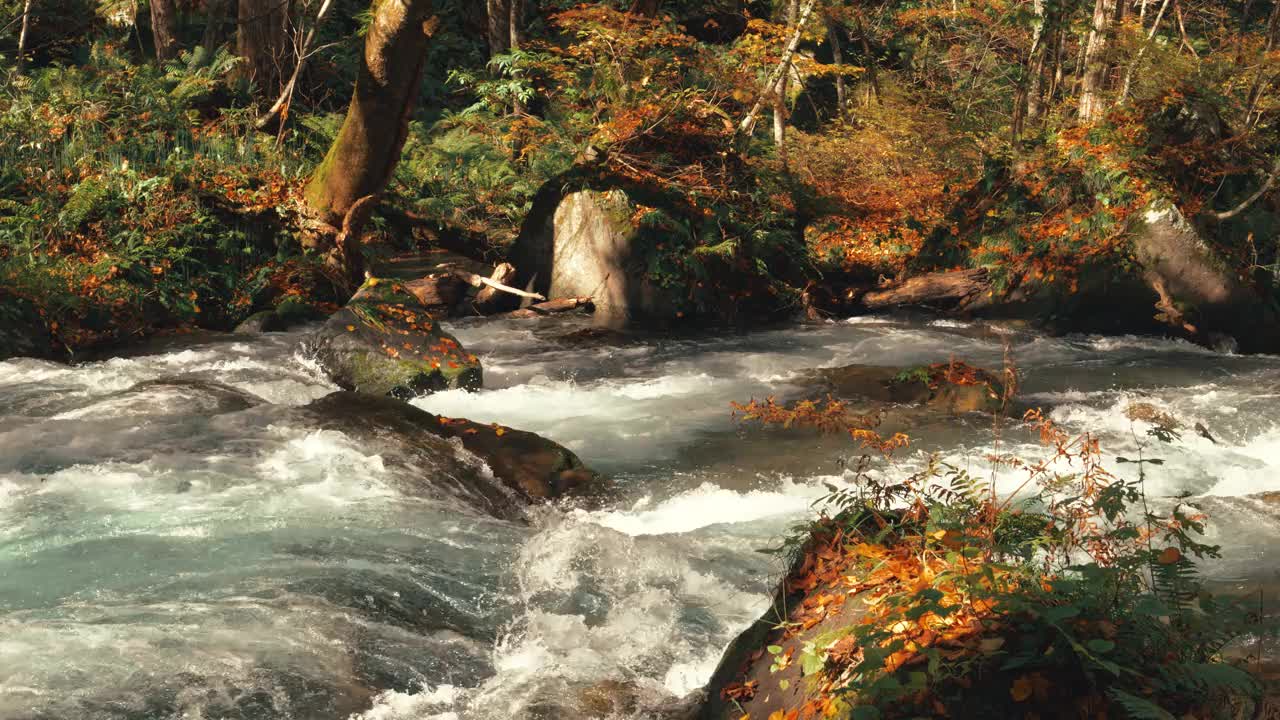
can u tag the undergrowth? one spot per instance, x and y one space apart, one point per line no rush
1068 598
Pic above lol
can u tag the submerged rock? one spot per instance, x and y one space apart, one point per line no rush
170 396
528 467
385 342
948 387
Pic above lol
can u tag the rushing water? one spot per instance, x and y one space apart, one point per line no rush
175 550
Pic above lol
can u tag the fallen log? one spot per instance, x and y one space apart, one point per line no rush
951 290
551 307
955 286
440 292
488 300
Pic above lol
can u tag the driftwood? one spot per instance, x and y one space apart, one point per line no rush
955 287
479 281
551 307
951 290
488 300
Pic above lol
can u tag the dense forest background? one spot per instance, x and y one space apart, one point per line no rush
156 157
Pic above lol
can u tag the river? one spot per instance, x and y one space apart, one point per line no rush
167 552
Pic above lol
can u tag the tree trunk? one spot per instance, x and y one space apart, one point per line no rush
164 29
280 109
368 146
646 8
1036 64
515 22
261 41
499 25
837 56
780 94
873 76
214 24
22 36
1095 63
749 122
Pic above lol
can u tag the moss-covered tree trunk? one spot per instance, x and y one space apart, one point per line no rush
164 28
360 162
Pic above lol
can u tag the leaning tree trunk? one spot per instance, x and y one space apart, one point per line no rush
22 36
1095 63
360 162
261 41
164 29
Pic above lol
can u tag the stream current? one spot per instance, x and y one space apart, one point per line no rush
176 543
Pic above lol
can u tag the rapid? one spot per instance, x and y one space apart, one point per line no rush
178 541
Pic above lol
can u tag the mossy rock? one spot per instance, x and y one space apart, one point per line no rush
384 342
950 387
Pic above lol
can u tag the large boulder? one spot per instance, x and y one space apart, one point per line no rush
584 244
385 342
527 467
1196 288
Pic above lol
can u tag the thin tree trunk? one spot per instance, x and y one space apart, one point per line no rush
164 29
1186 41
281 107
260 40
1255 89
515 21
780 93
22 36
365 153
1094 63
749 122
837 56
1027 105
873 76
1128 73
498 19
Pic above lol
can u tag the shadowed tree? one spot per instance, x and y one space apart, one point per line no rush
261 40
164 28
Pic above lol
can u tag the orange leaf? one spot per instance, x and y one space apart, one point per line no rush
1169 556
1022 689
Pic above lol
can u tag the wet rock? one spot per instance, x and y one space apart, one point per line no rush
583 244
527 467
1146 412
385 342
260 322
23 333
946 387
746 683
290 312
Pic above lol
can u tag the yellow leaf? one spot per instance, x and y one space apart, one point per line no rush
351 328
1022 689
500 432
